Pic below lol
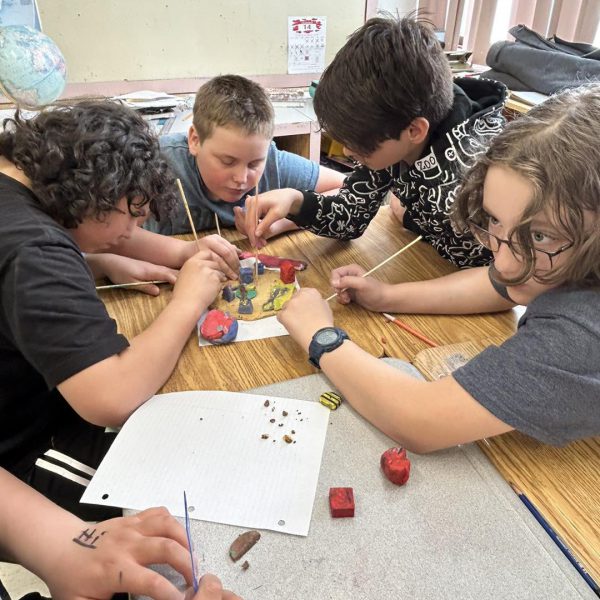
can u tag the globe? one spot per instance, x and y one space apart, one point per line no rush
32 68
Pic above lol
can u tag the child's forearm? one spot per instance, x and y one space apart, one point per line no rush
32 529
464 292
108 392
421 416
154 248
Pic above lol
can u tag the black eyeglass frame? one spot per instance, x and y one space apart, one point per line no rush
477 230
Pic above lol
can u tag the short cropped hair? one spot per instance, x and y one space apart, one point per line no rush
389 72
233 101
555 148
83 159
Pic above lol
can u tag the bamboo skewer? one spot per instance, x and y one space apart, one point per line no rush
114 286
255 226
217 225
383 262
189 214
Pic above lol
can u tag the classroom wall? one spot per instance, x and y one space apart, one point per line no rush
117 40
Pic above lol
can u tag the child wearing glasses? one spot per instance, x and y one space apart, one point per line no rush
533 199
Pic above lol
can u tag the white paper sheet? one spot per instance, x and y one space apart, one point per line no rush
209 444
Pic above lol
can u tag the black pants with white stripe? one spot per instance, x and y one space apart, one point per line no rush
60 467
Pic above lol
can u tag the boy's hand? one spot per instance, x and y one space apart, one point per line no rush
350 286
122 550
304 314
219 246
200 280
210 588
281 226
267 209
121 269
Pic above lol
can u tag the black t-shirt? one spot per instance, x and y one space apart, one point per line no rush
52 323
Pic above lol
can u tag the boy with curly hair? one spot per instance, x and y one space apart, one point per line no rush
75 180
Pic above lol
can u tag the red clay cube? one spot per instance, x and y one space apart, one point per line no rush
341 502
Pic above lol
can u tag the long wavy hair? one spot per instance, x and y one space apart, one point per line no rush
83 159
555 148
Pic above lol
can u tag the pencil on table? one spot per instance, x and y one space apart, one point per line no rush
383 262
410 330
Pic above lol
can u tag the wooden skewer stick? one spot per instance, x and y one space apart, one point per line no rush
383 262
217 224
410 330
115 286
255 226
189 214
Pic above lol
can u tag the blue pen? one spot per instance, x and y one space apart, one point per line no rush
557 539
189 539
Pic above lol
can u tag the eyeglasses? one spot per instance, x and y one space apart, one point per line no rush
493 242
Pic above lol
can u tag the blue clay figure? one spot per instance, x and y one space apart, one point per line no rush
245 307
228 293
260 268
246 274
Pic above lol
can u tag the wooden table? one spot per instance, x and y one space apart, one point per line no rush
563 483
246 365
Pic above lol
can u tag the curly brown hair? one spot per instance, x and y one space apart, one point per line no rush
555 148
83 159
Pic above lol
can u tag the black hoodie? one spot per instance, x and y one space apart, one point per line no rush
427 189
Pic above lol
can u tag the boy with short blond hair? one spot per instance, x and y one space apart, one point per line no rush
227 152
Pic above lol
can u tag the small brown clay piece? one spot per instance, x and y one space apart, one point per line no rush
267 403
287 439
245 565
271 420
264 436
285 413
243 543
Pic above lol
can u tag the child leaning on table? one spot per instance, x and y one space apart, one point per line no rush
227 152
74 180
534 200
389 98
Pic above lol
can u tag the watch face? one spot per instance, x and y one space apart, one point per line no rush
327 336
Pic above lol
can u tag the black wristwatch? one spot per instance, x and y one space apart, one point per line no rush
325 340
